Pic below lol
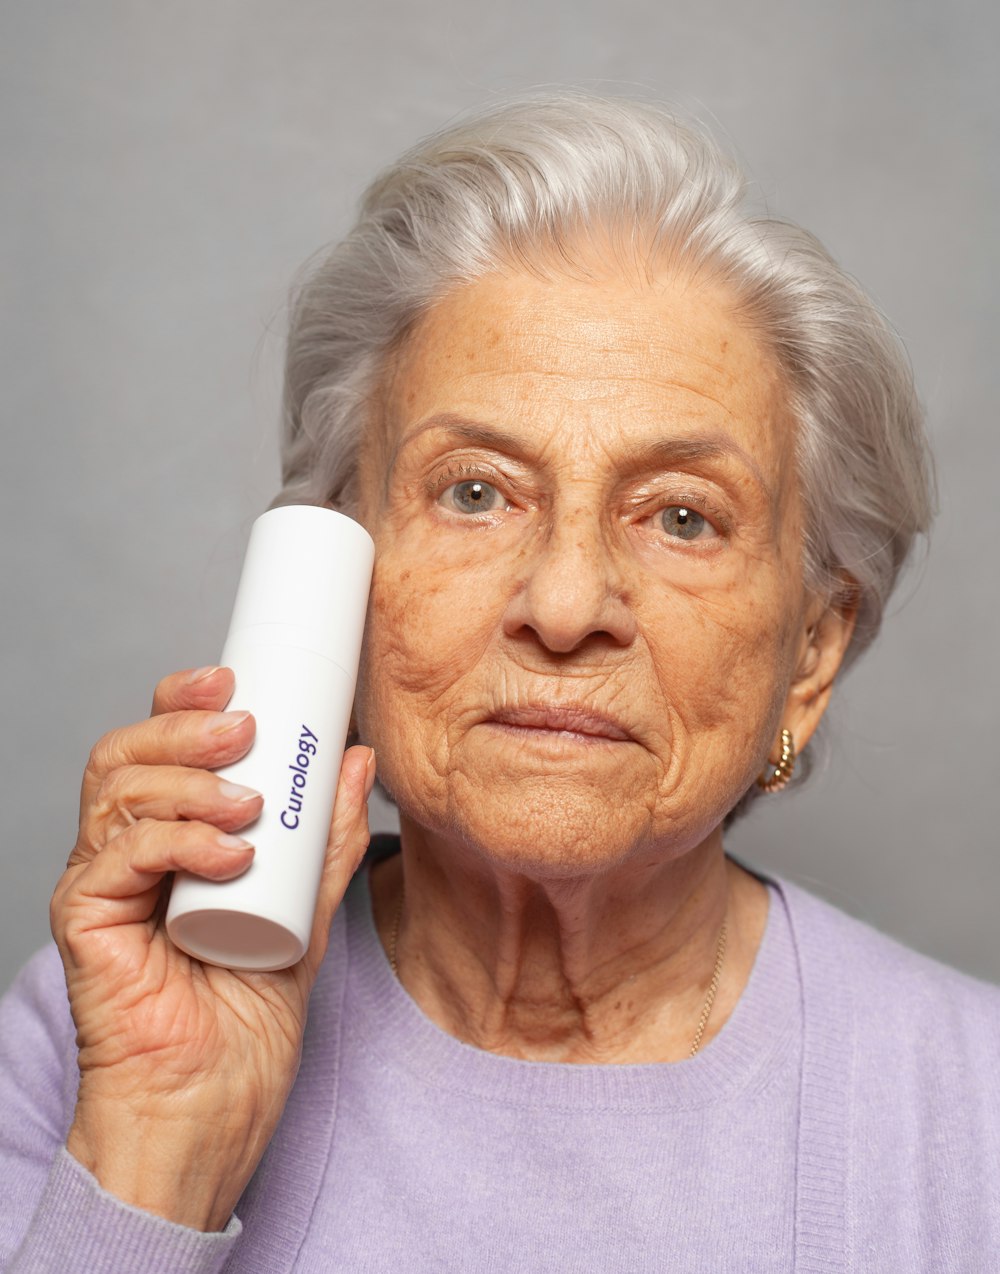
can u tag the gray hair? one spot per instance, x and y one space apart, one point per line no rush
526 178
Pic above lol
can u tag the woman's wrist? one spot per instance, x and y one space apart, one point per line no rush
189 1171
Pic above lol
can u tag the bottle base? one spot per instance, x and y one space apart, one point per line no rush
235 940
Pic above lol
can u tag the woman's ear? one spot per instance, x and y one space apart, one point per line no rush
828 626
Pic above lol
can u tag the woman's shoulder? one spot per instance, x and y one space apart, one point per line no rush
892 992
900 1092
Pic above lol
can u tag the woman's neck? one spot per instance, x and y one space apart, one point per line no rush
601 969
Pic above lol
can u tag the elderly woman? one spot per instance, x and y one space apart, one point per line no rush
641 468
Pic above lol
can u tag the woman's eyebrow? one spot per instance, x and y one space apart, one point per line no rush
661 453
670 452
465 430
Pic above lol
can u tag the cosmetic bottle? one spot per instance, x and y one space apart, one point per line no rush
294 644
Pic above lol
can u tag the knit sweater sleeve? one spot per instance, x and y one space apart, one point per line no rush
53 1213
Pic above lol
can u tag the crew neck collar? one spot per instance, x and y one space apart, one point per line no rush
759 1035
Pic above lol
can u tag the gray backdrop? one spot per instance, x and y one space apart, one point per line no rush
167 167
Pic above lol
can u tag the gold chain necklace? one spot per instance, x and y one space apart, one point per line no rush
706 1012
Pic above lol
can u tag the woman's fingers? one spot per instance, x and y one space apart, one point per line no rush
346 845
158 769
151 805
141 857
207 688
121 884
203 740
133 792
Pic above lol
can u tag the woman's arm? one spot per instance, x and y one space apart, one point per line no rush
53 1214
184 1068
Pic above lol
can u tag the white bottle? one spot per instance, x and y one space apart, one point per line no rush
294 644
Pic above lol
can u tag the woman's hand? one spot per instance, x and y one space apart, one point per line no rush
184 1067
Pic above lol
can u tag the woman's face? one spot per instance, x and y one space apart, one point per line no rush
588 606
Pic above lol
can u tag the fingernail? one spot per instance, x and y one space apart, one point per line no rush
236 792
200 674
229 721
369 775
234 844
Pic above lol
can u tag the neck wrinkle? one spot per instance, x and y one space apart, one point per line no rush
608 969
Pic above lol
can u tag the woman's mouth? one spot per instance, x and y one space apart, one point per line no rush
560 721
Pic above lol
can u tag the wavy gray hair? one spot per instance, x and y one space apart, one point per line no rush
521 182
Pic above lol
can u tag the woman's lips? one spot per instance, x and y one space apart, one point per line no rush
560 721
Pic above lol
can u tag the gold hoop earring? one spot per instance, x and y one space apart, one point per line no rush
775 777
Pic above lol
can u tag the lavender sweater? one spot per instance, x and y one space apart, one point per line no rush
846 1118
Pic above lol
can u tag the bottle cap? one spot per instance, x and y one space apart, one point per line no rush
304 567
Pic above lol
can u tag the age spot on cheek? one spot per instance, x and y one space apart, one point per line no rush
382 602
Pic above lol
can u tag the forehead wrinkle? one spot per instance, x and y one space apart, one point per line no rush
631 361
603 370
609 336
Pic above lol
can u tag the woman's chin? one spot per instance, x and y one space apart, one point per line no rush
547 807
542 828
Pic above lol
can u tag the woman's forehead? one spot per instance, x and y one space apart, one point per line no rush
569 362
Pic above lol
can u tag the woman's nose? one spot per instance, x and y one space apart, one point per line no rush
571 589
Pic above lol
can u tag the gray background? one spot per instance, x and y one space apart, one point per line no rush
167 167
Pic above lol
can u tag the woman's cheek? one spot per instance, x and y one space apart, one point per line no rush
425 632
722 660
410 679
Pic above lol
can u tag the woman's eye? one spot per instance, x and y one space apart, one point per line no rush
472 496
684 523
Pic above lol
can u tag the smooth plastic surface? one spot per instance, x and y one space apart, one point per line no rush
294 645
